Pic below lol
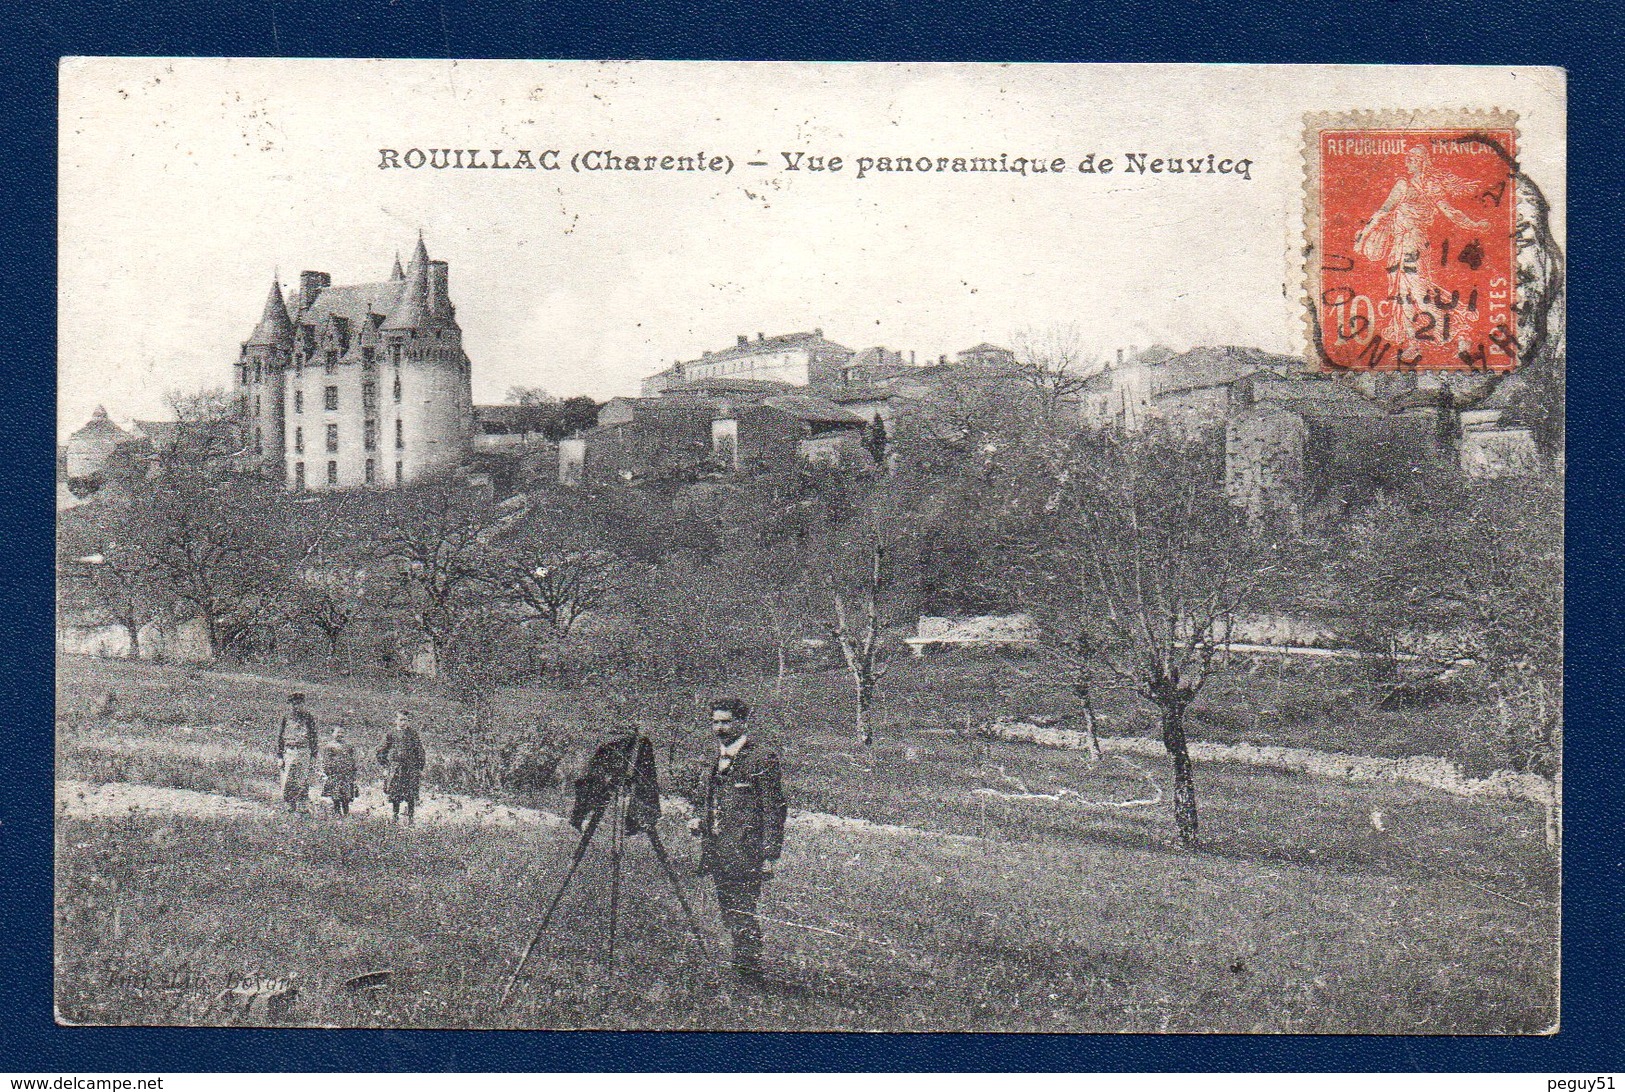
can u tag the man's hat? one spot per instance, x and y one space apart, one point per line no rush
739 709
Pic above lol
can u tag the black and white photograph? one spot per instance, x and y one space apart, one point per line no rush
791 546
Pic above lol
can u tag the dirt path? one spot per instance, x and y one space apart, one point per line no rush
1436 773
118 799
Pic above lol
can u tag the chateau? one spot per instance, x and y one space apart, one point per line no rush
346 386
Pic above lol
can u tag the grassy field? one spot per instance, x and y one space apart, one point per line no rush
1296 914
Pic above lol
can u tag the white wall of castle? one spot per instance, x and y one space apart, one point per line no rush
425 428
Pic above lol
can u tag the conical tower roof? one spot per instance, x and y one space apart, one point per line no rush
414 312
275 328
397 274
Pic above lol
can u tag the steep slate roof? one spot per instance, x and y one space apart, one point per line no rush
275 327
354 302
1215 366
99 427
808 407
727 383
1317 397
413 311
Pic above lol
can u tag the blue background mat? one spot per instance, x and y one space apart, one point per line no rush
1586 39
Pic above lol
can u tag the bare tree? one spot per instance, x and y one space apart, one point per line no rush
102 568
1055 364
1139 565
554 562
216 541
529 396
864 558
433 535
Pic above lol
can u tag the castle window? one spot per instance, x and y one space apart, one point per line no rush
332 437
372 472
397 387
299 477
369 396
242 375
370 437
331 362
395 355
367 358
257 372
400 439
258 447
256 405
398 467
332 472
330 398
299 401
299 439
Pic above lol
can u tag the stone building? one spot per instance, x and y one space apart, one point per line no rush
986 355
93 451
362 385
715 426
801 359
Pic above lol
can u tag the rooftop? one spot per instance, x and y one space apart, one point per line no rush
813 339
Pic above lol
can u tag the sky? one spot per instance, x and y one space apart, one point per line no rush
187 184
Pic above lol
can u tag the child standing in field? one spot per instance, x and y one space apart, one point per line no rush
403 758
339 766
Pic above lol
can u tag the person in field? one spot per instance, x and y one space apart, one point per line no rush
741 828
402 757
296 752
339 768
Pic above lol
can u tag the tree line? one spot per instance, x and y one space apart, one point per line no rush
1124 548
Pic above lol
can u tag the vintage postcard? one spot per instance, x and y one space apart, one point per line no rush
795 546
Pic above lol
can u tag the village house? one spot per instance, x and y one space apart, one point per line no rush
722 425
801 359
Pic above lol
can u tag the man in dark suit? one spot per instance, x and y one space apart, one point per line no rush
741 828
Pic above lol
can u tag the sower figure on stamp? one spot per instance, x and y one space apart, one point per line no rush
296 751
741 828
403 758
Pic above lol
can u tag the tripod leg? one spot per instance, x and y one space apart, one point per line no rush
677 888
614 879
575 861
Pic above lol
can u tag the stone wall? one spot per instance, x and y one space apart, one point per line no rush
1265 448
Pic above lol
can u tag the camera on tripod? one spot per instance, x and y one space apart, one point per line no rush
619 782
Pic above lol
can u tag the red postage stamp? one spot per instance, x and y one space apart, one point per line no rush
1411 253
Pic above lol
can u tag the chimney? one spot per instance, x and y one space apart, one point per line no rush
1119 358
818 331
439 297
310 283
742 339
943 359
911 358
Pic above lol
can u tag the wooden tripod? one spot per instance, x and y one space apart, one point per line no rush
617 808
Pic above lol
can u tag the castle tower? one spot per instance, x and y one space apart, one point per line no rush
261 368
378 393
